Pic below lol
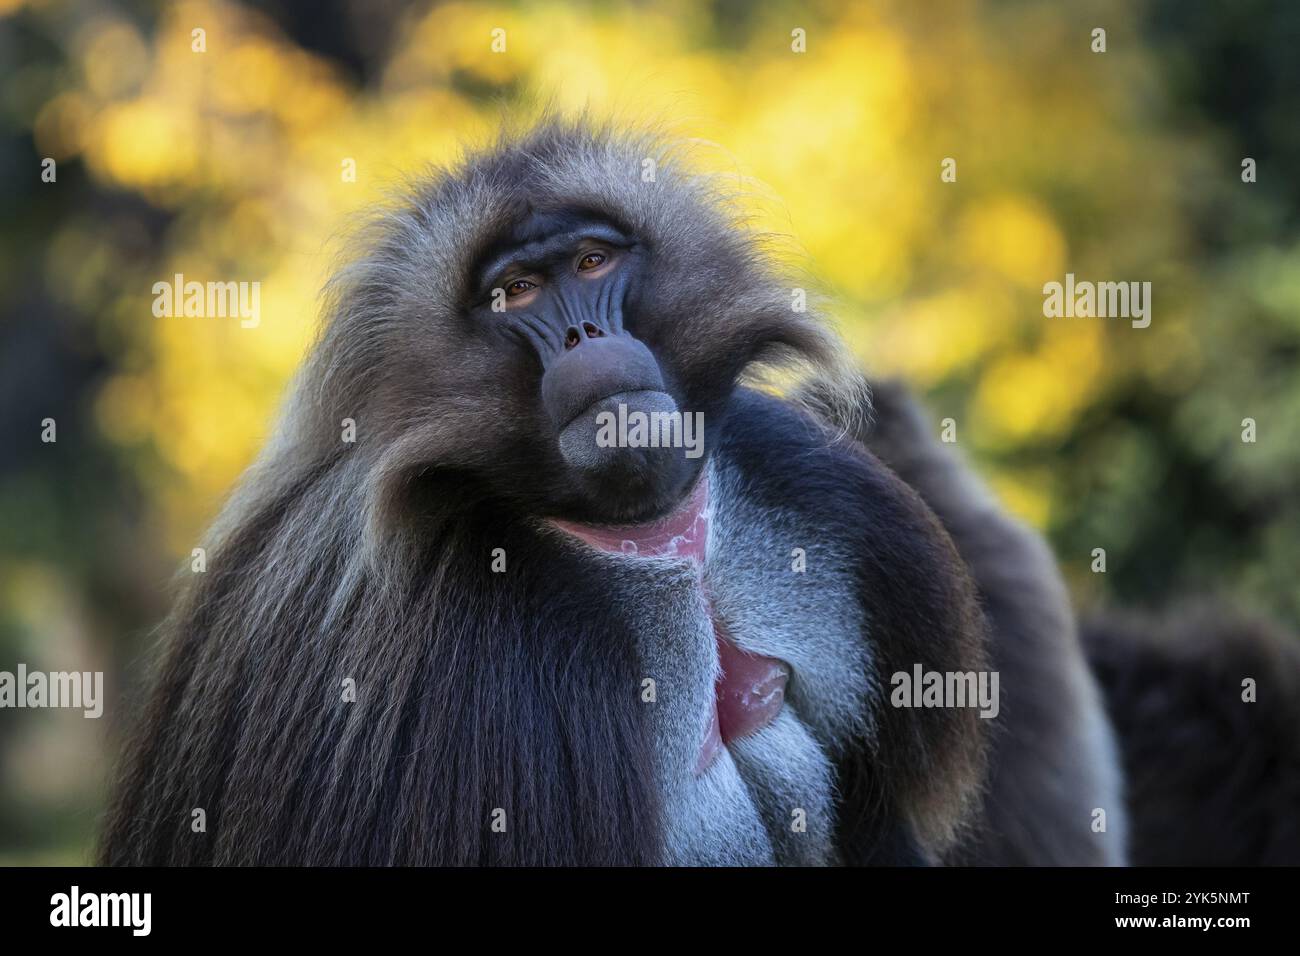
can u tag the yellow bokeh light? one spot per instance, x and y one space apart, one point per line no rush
264 152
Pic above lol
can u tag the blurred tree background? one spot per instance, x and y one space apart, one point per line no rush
227 164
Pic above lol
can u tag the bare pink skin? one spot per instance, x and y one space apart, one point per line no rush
750 689
750 692
748 695
682 534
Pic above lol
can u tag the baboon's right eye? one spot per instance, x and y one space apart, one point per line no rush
519 287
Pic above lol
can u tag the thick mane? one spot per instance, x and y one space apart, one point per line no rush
473 691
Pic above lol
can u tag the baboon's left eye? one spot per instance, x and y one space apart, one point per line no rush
591 260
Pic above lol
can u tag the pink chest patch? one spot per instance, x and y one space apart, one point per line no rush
682 534
750 689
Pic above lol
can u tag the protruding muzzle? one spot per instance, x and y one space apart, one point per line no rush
594 368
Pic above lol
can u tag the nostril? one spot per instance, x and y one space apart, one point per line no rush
572 337
592 331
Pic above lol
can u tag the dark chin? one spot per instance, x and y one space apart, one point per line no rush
625 484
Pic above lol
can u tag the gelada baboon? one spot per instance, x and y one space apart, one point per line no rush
532 572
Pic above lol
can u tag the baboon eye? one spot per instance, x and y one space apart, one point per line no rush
519 287
591 260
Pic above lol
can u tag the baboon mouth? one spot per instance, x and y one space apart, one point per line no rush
600 437
633 396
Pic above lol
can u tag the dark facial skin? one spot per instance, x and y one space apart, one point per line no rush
563 286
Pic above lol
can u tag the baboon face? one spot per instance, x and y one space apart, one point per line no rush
550 324
564 291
